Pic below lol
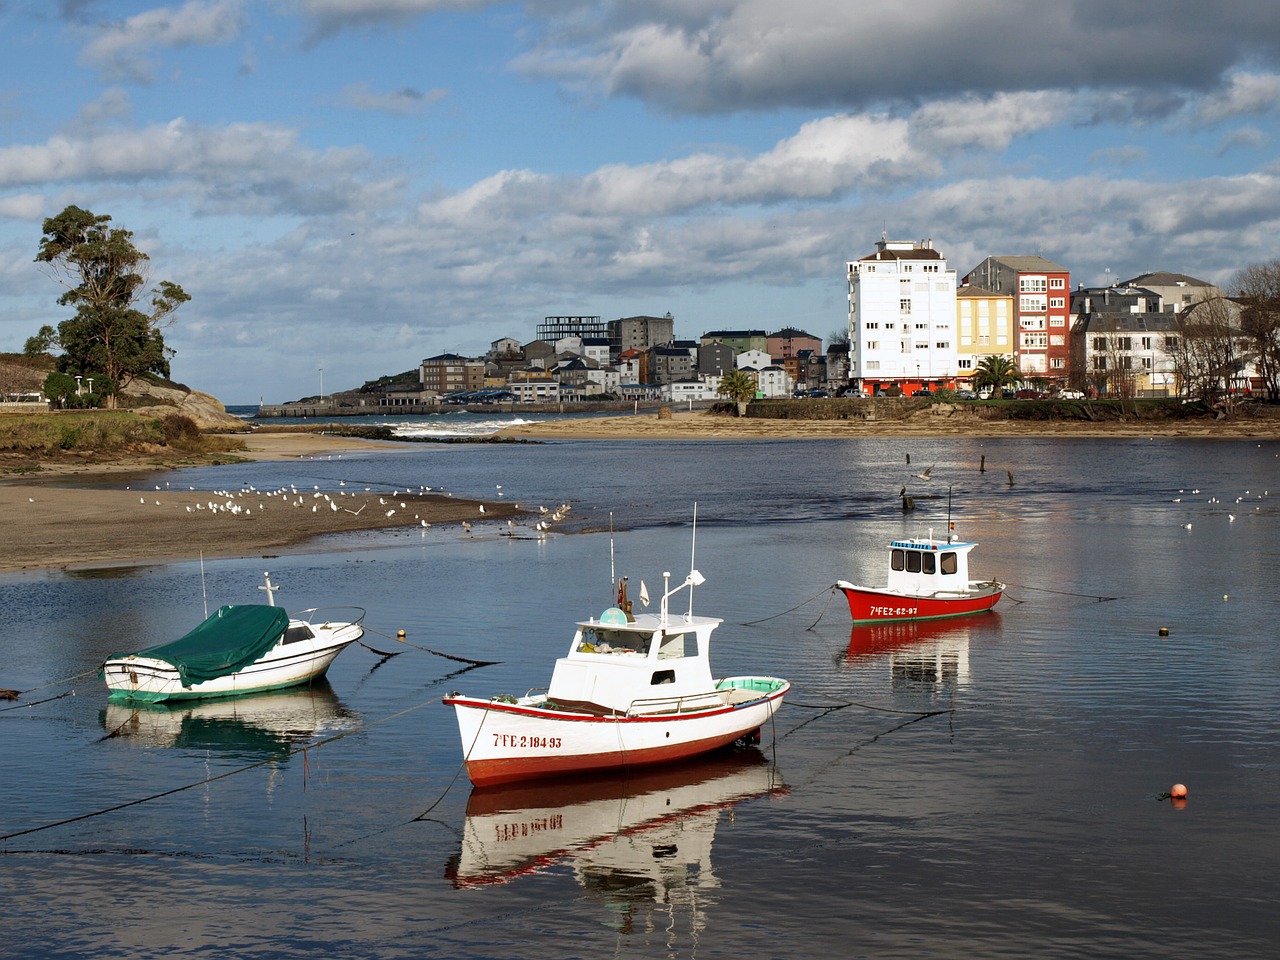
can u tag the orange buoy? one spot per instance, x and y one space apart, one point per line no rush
1178 791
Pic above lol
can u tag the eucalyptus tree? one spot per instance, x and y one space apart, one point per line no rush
112 332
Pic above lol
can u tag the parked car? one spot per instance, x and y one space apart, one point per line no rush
1070 394
966 395
1030 395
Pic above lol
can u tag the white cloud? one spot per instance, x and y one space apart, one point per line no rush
757 54
122 48
254 167
1246 94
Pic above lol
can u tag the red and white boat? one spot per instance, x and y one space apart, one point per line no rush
632 691
928 580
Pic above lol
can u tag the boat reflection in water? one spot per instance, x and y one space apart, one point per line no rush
921 651
256 726
633 840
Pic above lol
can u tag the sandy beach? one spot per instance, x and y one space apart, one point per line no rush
937 421
59 521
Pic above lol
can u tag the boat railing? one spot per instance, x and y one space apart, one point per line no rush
353 615
651 705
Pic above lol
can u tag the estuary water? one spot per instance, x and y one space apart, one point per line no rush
982 787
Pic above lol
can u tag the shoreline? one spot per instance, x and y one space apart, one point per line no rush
56 521
935 423
79 515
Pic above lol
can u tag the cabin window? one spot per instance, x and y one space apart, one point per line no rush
300 632
662 676
596 640
897 560
913 561
675 646
929 563
949 564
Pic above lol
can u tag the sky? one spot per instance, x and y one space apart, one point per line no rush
346 187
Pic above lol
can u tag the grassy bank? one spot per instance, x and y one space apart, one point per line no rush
26 439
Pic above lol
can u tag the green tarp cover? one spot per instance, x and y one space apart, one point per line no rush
229 640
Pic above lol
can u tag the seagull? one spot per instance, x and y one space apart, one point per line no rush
482 508
466 525
925 475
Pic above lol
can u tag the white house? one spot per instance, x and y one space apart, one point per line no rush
753 360
902 315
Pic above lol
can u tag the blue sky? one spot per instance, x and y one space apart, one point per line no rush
355 185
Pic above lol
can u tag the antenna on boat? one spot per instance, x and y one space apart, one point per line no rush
613 576
693 557
203 592
950 526
271 589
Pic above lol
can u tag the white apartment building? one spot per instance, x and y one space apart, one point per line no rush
902 318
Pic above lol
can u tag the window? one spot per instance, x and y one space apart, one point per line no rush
1146 343
929 563
904 305
1099 343
943 345
1058 363
966 364
873 344
1146 363
949 565
1056 303
1031 305
872 326
1124 343
1171 343
1057 283
1099 362
1032 284
913 561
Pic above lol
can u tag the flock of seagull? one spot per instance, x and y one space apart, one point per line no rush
246 500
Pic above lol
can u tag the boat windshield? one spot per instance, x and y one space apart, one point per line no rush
675 646
604 640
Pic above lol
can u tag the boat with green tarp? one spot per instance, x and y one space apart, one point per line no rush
242 648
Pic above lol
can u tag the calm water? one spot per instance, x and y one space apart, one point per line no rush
1024 820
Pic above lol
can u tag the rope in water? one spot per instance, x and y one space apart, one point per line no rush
220 776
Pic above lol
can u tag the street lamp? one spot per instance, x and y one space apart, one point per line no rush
77 385
90 380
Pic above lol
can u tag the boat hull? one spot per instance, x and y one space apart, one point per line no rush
510 742
871 605
139 678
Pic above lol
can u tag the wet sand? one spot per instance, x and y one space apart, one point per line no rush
60 523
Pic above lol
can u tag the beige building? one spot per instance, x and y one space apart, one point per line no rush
984 328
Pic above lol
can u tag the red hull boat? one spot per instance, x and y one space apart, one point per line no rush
928 580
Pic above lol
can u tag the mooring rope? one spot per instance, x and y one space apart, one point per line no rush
31 703
1060 593
447 656
752 623
216 777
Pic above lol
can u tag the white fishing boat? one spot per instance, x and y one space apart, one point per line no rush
244 648
631 691
928 579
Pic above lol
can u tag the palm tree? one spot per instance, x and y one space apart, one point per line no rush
996 372
738 386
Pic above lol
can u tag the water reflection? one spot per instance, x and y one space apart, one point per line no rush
639 843
932 652
258 726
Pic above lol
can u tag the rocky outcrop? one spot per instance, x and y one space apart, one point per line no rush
208 412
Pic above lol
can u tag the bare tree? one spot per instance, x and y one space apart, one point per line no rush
1258 287
1209 360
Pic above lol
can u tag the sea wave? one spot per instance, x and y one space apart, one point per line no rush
455 425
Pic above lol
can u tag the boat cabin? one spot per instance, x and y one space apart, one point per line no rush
615 665
925 566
